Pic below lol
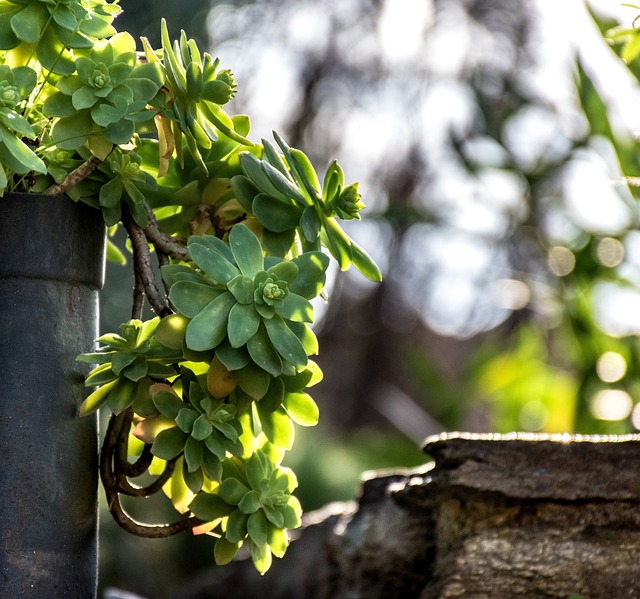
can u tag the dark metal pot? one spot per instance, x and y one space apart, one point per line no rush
51 270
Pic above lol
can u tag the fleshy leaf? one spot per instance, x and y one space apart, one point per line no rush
295 307
193 454
243 324
286 342
97 399
263 353
310 223
165 399
211 465
232 491
275 214
210 506
310 280
242 289
261 557
286 271
209 327
224 551
337 242
255 470
202 428
236 527
278 541
122 395
213 263
169 443
190 298
272 399
232 358
253 380
364 263
277 427
257 527
250 503
246 250
301 408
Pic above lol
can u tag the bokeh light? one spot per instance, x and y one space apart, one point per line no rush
611 404
610 252
611 367
561 261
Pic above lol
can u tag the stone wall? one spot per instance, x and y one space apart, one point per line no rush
514 516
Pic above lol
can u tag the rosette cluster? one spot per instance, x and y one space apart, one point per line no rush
248 307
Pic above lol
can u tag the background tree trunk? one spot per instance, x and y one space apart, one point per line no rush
51 269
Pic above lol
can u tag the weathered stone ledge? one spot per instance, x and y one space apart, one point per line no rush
512 516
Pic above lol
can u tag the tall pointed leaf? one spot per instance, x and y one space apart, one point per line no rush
246 250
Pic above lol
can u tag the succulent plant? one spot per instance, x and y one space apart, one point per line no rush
15 86
129 183
201 427
196 92
261 494
212 387
245 304
106 97
284 194
127 363
54 29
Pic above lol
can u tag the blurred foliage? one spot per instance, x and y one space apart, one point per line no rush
142 18
574 371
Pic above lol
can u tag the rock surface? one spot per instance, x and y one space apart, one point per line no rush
512 516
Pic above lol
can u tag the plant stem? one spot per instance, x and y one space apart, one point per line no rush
142 265
163 242
74 177
117 430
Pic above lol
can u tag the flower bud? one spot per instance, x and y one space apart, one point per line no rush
221 89
9 95
271 291
348 204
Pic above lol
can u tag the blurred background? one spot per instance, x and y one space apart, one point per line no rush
489 139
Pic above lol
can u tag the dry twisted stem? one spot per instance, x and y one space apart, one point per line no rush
74 177
142 267
112 473
115 468
164 243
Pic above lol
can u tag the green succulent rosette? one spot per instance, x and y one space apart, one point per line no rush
55 28
252 306
106 97
196 92
15 85
202 428
284 193
257 506
278 402
127 365
128 182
